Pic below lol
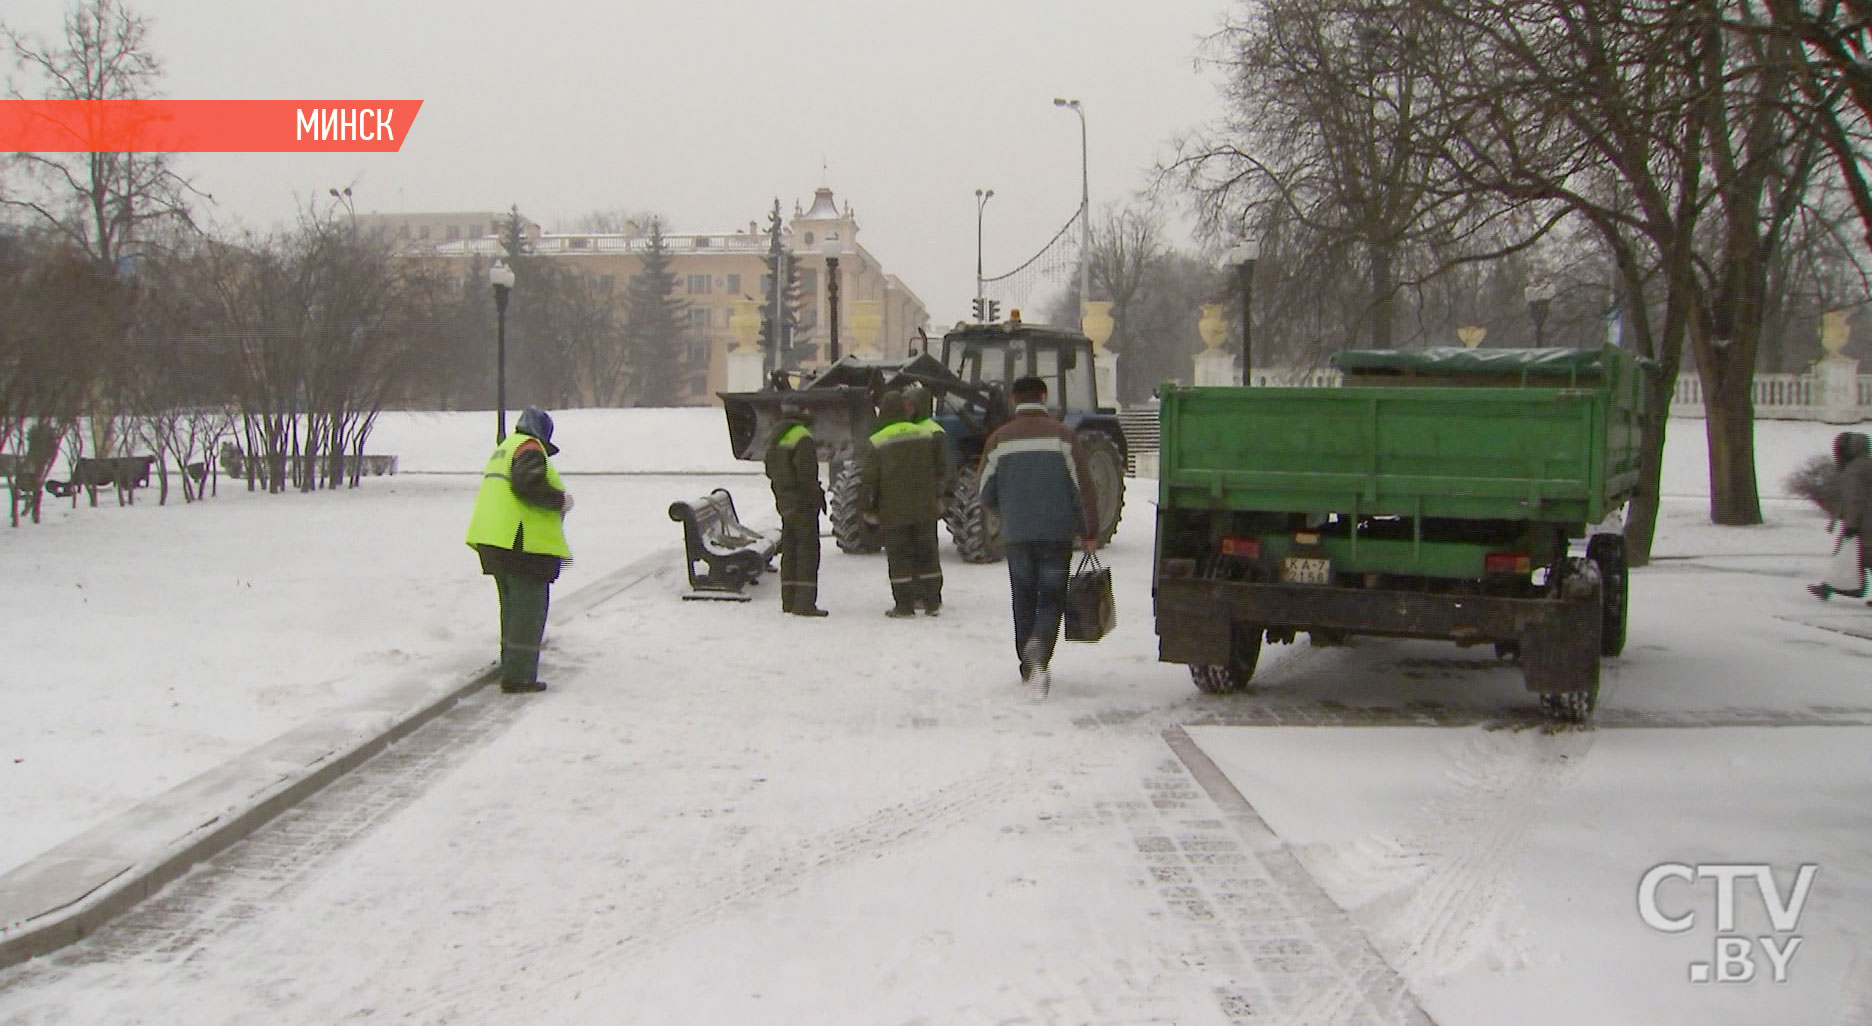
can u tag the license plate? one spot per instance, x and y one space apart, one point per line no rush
1302 570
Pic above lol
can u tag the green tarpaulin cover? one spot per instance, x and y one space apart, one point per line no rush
1445 360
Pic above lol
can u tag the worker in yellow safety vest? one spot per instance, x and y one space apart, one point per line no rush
519 530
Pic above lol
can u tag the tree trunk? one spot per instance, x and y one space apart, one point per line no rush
1383 305
1729 422
1641 515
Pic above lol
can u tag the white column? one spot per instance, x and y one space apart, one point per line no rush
1216 367
747 365
1105 375
1836 378
747 371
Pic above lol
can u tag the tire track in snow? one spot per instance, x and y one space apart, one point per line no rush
1314 965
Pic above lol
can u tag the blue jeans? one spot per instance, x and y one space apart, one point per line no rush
1037 574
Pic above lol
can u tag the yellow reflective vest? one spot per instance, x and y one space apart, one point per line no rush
499 514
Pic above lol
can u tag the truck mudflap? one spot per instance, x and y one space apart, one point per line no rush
1558 637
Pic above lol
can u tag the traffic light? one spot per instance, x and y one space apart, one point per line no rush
994 310
981 310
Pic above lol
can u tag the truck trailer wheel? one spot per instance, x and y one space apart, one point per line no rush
1574 657
848 527
1608 552
1106 462
976 531
1244 652
1570 706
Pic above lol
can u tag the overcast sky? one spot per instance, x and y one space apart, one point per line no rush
705 111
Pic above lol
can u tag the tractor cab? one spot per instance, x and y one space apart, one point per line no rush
991 356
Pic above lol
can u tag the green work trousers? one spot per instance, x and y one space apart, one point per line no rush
915 568
799 562
523 604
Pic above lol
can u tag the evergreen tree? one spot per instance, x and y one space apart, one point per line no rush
785 343
540 364
656 327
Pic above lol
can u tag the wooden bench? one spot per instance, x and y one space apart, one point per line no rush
724 555
124 473
235 464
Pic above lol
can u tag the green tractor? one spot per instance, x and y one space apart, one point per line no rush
967 375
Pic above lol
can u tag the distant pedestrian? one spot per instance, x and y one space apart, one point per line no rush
1849 504
793 472
1034 476
519 530
902 495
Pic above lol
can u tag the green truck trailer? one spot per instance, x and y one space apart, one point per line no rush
1439 493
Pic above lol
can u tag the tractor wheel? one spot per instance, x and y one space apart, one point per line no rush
848 527
1106 461
1608 551
976 529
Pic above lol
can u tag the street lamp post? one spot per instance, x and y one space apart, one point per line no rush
1242 257
501 277
344 196
1085 204
982 196
830 247
1538 299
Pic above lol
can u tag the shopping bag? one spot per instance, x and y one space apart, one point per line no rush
1091 612
1843 574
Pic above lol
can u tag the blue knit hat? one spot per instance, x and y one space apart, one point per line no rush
538 423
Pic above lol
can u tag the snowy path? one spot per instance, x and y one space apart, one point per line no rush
904 788
722 815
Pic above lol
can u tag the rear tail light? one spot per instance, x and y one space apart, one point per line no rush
1507 563
1236 545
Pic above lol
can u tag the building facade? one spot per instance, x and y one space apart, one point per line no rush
713 271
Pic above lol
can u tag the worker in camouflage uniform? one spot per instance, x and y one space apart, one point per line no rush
793 471
902 495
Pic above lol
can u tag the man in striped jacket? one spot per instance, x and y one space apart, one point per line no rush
1034 476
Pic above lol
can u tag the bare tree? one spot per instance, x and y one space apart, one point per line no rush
1827 54
1156 293
98 202
589 323
1321 152
56 330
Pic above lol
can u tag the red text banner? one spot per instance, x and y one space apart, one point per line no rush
205 126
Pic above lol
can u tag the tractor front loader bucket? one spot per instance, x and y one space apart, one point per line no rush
841 415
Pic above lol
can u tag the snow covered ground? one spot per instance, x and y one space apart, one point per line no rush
723 815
